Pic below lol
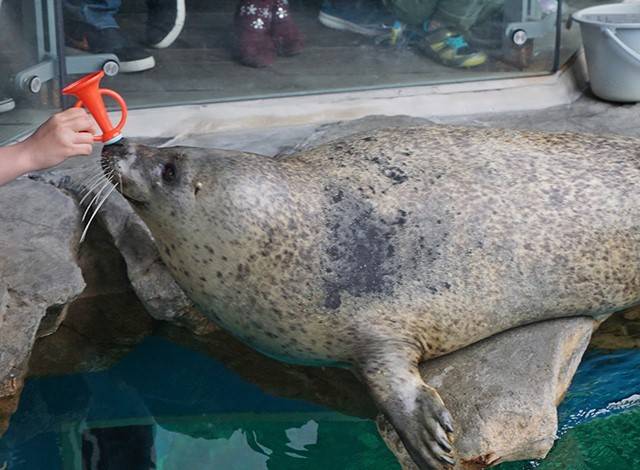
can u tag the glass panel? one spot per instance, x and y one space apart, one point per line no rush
26 29
240 49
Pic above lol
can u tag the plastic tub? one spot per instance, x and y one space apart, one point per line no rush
611 37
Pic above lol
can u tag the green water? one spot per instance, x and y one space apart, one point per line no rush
611 443
170 408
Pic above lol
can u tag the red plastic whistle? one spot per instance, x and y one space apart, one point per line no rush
89 95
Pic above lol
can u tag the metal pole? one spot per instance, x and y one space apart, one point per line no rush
58 24
558 44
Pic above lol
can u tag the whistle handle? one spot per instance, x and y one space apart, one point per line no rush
123 109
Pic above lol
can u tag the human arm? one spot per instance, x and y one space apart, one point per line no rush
64 135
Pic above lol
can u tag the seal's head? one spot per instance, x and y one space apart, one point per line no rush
176 189
156 181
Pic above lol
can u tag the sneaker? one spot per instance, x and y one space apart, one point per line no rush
132 58
361 17
451 49
165 21
6 105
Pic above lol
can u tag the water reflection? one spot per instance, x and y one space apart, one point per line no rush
167 407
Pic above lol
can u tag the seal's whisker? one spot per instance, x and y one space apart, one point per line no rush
95 184
90 190
105 185
92 179
91 193
86 228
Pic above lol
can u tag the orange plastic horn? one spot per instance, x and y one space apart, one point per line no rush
89 94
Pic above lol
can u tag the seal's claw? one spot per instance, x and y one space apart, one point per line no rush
423 433
443 440
415 409
424 458
432 416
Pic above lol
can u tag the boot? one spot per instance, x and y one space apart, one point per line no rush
253 27
286 35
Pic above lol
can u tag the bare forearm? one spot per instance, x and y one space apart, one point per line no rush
15 161
64 135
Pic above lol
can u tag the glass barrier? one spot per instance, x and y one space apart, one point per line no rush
243 49
196 51
29 83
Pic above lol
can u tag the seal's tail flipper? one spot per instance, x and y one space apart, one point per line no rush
414 409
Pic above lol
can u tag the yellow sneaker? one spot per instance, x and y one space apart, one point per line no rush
451 49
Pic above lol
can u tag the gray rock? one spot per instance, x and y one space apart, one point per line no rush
38 273
503 392
587 115
151 281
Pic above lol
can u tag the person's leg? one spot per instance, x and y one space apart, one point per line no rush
284 31
459 14
412 12
90 25
253 27
100 14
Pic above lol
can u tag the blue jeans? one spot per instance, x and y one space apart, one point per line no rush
97 13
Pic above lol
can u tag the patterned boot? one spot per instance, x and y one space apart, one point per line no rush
253 26
286 35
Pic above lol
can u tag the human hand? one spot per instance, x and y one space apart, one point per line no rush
65 134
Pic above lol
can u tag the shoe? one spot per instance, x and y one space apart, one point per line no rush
252 25
132 58
284 32
451 49
360 17
165 20
6 105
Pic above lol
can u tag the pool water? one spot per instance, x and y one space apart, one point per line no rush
599 419
174 408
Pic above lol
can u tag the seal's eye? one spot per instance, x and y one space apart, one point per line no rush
169 173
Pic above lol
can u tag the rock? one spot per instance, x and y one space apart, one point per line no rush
106 322
620 331
38 244
587 115
153 285
503 392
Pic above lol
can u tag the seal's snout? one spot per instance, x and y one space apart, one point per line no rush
117 158
114 152
119 163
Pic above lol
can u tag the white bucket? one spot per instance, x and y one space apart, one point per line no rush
611 37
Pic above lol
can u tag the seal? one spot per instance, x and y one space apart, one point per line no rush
396 246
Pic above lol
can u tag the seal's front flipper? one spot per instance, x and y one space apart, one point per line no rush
414 409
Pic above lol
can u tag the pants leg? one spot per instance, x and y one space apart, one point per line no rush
98 13
413 12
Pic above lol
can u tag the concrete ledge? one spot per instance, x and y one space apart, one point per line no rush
474 97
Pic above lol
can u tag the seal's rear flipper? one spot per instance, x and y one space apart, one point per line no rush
414 409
